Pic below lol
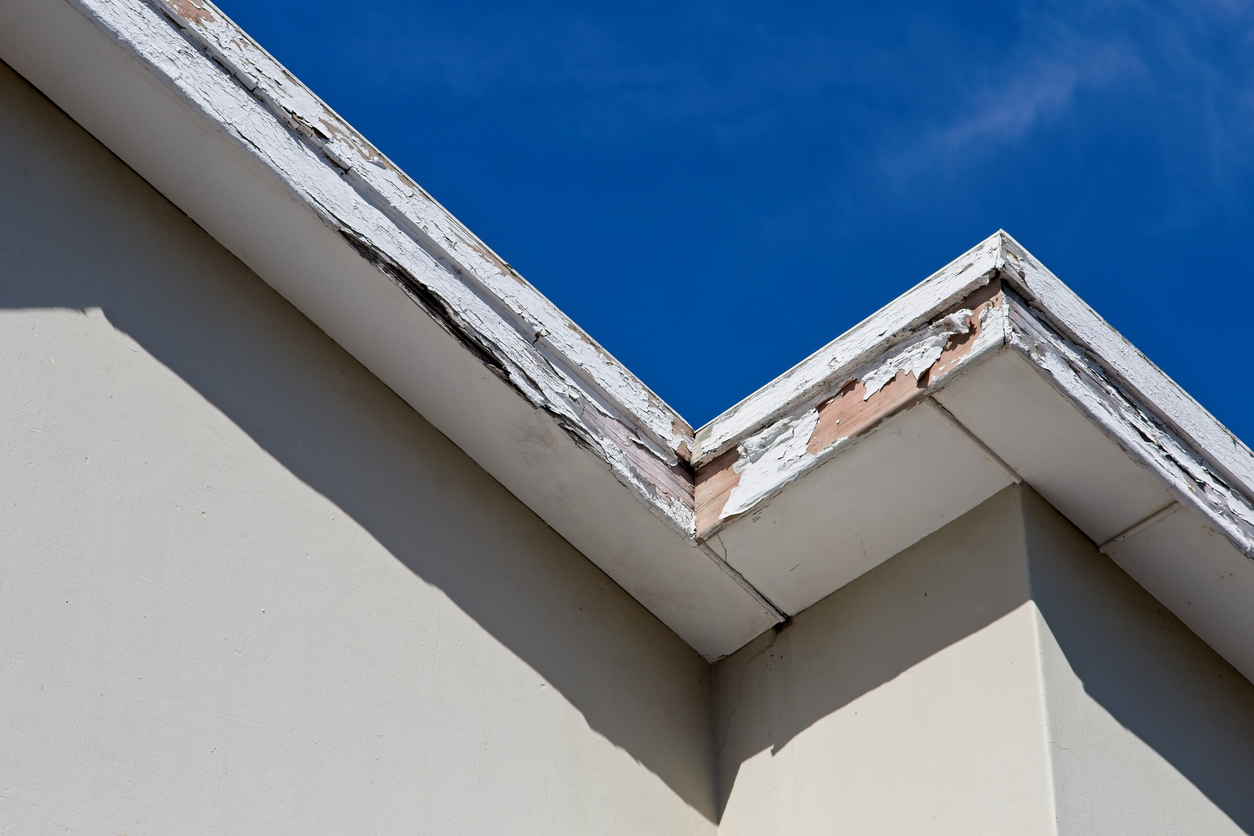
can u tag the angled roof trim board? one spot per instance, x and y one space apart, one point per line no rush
703 528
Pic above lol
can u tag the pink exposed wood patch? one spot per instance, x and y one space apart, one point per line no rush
848 412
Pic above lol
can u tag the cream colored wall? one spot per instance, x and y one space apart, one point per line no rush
905 702
1150 730
1001 676
246 589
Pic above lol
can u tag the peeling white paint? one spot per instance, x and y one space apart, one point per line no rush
919 354
1135 428
857 346
778 454
771 460
1046 294
213 66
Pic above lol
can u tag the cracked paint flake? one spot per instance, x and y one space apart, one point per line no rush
768 461
396 225
919 355
771 460
870 338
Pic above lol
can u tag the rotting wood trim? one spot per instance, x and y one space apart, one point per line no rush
903 375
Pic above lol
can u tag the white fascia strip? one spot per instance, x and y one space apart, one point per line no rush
778 454
857 346
126 72
510 298
1133 401
1057 304
1138 430
221 73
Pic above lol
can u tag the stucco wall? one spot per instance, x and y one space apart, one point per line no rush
1001 676
244 588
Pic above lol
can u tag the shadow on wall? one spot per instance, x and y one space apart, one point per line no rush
205 316
863 635
1133 658
201 313
1143 666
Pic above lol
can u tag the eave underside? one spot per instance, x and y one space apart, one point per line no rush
987 373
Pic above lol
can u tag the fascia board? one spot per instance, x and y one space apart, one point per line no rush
377 180
230 85
857 346
1087 365
211 120
821 418
557 421
1039 304
1053 301
1140 432
1101 456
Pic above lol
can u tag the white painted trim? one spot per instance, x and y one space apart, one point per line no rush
221 73
1124 418
859 345
594 468
1065 311
378 181
213 121
777 454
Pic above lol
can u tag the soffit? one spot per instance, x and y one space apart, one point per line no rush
988 372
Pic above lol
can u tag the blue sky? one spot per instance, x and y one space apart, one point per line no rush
714 191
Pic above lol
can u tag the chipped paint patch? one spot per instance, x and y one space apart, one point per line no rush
769 461
714 484
918 355
192 11
827 368
852 410
395 225
764 463
1120 414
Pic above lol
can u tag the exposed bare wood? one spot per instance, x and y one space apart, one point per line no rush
714 483
863 397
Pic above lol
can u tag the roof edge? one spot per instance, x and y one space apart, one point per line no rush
1047 296
527 393
395 224
857 346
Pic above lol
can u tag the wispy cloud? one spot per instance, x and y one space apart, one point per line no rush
1032 84
906 95
1044 89
1183 74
